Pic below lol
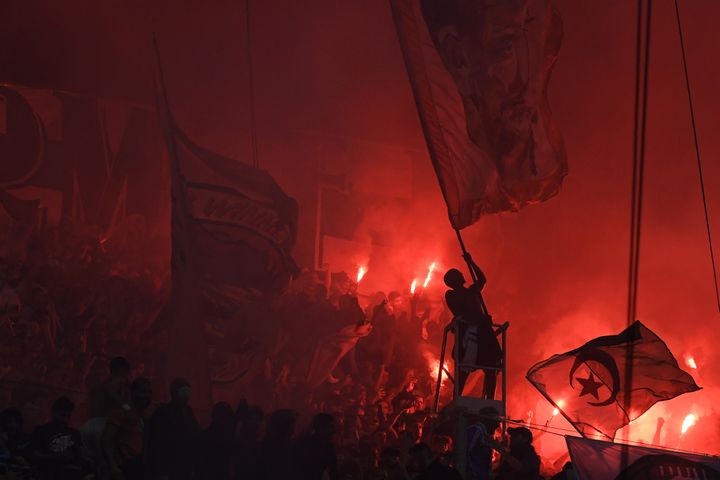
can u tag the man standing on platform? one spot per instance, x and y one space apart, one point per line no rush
478 342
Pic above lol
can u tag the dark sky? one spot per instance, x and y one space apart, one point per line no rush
558 270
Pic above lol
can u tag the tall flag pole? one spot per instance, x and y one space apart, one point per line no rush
697 154
251 88
642 68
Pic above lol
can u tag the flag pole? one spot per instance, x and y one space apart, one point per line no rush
251 88
465 253
642 71
470 266
160 72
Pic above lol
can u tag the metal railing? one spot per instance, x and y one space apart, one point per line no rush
459 367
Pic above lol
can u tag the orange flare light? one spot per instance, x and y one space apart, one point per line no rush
555 412
689 421
431 269
690 362
435 367
361 273
413 286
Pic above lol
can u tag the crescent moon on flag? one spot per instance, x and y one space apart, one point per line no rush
607 361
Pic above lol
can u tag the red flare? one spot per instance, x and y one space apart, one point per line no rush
361 273
431 269
689 421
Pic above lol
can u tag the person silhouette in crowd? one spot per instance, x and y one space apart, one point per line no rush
390 466
14 442
315 453
111 394
423 465
247 446
521 462
124 438
55 446
172 447
481 443
478 343
215 445
276 450
441 445
567 473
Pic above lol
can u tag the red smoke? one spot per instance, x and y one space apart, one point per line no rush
330 81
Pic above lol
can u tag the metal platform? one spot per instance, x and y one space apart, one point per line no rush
475 404
461 407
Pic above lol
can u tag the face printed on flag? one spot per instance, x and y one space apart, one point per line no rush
485 47
588 384
480 70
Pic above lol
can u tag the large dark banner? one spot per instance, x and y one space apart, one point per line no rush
233 229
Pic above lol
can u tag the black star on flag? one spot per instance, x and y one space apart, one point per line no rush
588 385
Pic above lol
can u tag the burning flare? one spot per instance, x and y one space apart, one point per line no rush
413 286
361 273
689 421
435 367
431 269
690 362
555 412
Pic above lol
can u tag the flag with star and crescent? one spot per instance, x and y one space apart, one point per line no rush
588 385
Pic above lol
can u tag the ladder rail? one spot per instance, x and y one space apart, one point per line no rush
441 367
459 367
505 327
500 329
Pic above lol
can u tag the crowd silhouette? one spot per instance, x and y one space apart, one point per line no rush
125 438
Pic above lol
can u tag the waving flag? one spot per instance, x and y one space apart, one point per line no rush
240 223
588 384
479 72
232 228
331 349
598 460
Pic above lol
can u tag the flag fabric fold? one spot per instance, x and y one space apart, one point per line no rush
479 73
241 224
331 349
588 385
599 460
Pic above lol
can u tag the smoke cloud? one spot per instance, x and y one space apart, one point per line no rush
326 70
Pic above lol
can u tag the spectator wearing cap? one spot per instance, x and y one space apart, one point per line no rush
521 462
